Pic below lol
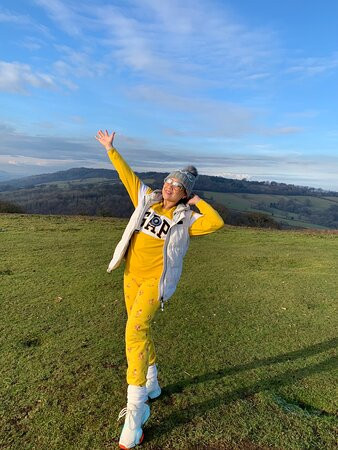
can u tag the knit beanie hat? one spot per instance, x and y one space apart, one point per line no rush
186 176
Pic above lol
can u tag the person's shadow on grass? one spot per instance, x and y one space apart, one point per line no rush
177 418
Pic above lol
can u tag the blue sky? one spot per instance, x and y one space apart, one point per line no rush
240 88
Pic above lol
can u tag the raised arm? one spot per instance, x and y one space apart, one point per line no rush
135 187
207 222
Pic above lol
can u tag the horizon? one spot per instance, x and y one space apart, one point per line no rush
147 171
239 89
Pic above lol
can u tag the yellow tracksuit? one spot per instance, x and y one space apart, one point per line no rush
144 266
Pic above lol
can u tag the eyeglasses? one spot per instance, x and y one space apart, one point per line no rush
175 184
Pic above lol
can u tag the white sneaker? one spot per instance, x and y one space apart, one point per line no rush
136 416
153 388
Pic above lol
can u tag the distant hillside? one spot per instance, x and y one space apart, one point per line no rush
204 182
81 173
99 192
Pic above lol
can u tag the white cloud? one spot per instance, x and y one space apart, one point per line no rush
61 13
201 116
23 21
198 42
278 131
78 63
313 66
19 160
132 43
15 77
69 84
258 76
9 17
187 43
306 114
192 43
32 44
205 117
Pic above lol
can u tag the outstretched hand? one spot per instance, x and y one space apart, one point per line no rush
105 138
194 200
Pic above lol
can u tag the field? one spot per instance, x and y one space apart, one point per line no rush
254 202
93 196
246 347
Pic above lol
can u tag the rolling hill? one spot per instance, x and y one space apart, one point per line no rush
99 192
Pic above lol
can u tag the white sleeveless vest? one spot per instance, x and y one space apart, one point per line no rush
175 246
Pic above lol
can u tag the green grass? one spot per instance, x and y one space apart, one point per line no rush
65 184
246 346
332 199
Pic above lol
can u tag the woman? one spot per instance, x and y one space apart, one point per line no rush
154 244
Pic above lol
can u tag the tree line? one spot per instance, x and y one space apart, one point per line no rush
104 200
327 217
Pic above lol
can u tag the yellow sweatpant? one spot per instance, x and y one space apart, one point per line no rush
142 302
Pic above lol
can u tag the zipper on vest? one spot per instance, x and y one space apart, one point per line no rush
166 242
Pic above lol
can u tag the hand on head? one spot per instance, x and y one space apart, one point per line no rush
193 200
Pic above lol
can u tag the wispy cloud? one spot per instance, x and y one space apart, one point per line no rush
23 21
10 17
205 117
19 160
190 39
65 16
313 66
280 131
306 114
78 63
15 77
188 44
133 44
35 145
32 43
179 42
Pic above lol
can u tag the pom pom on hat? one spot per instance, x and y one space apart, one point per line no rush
192 170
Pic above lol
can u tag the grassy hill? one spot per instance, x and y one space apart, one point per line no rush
264 203
98 192
94 195
246 346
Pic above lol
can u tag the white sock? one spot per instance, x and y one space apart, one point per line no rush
137 394
152 372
